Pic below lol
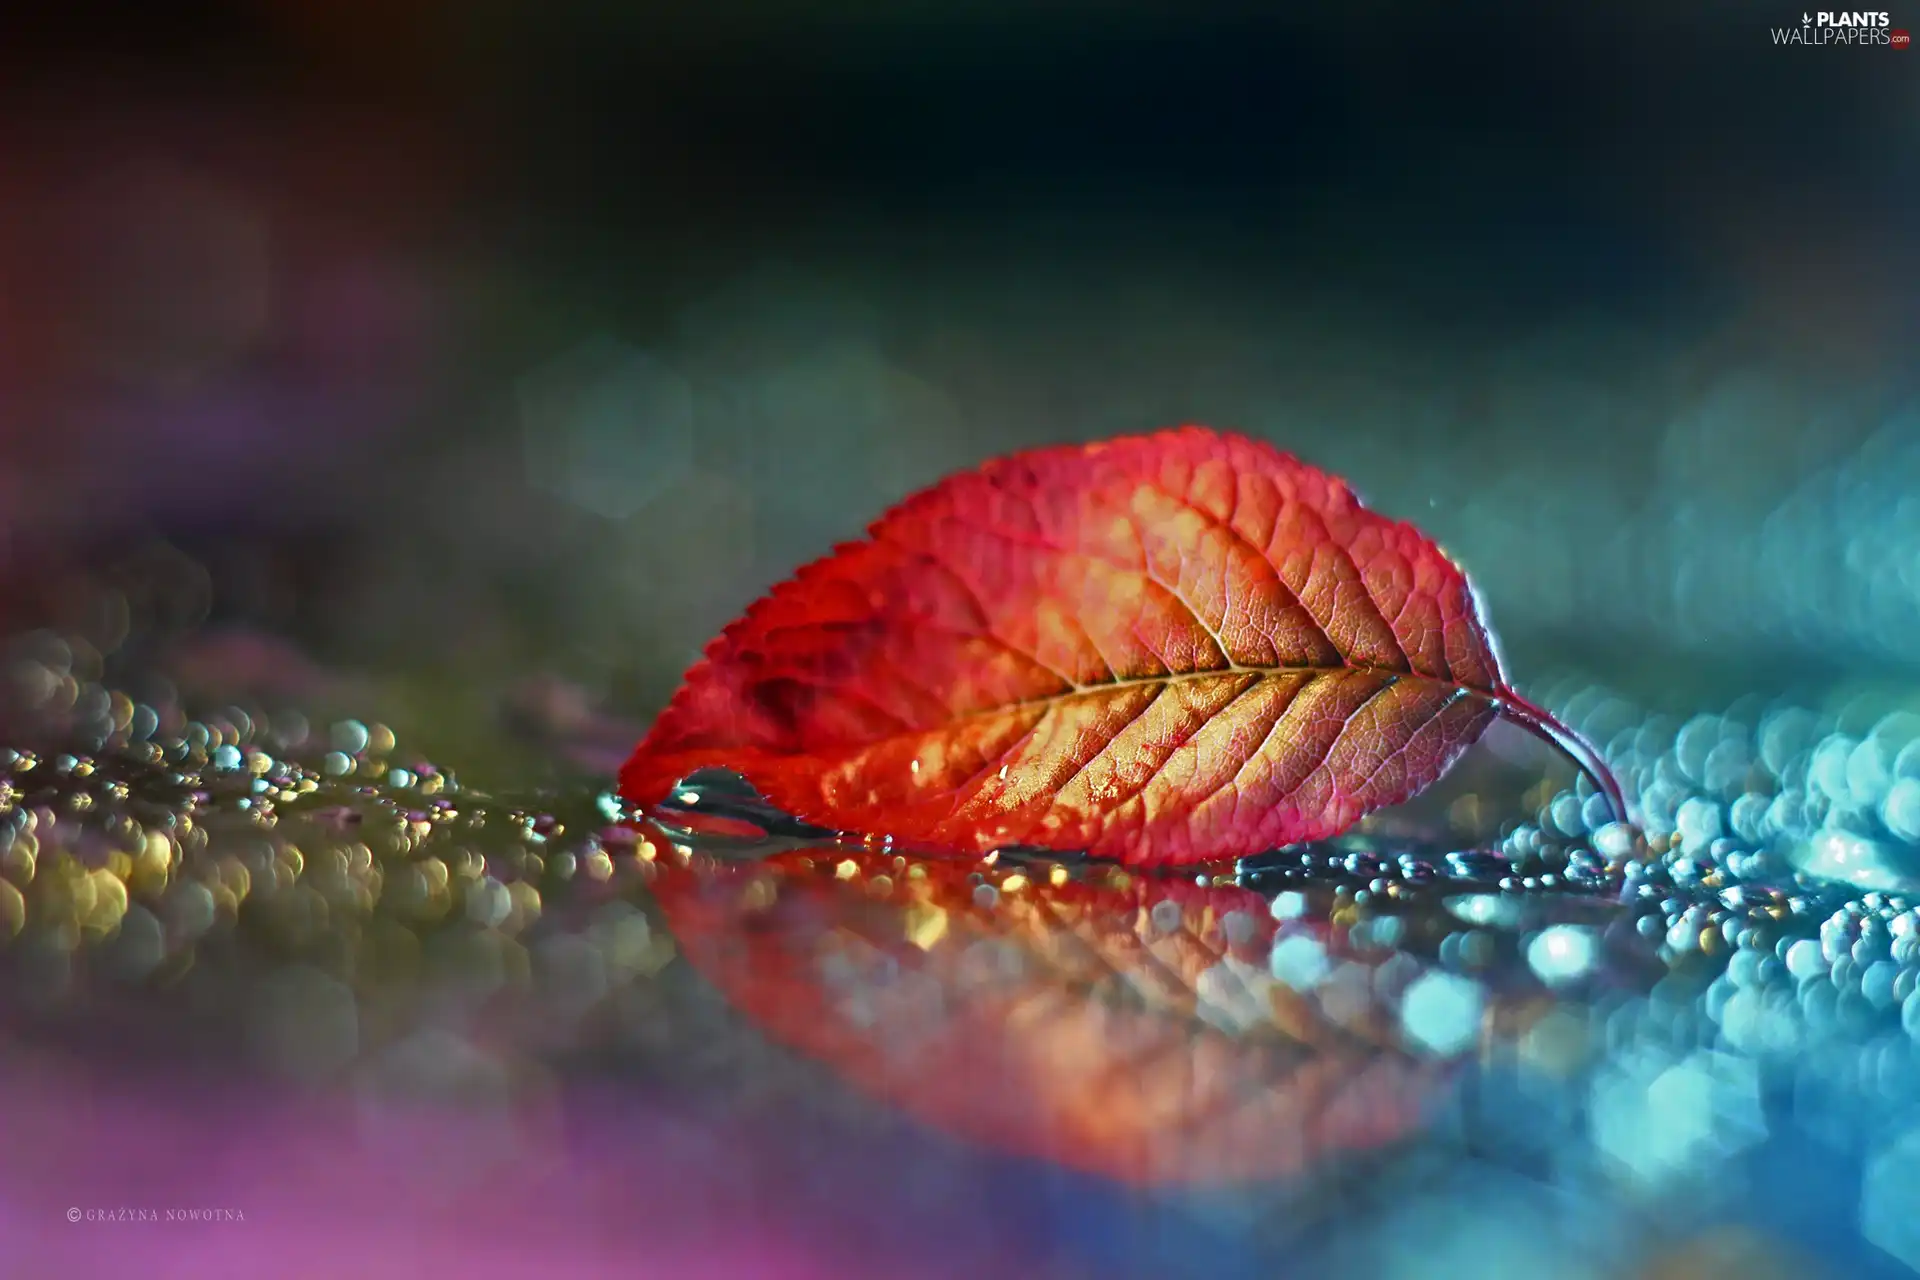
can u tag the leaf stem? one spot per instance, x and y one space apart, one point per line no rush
1541 723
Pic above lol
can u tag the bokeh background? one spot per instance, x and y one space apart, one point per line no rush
460 369
463 345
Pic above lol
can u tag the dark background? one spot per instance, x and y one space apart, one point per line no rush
399 354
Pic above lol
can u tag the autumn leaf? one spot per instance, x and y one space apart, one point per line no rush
1127 1026
1168 648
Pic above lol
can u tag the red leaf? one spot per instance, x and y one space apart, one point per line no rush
1123 1025
1162 649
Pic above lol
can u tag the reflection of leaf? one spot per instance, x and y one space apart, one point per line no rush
1166 648
1124 1025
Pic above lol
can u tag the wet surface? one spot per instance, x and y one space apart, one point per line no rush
295 972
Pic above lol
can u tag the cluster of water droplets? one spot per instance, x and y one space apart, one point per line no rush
1634 995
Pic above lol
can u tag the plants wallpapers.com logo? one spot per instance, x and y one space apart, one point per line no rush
1851 29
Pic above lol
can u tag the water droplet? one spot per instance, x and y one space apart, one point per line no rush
1440 1013
1300 961
350 737
1563 953
1804 959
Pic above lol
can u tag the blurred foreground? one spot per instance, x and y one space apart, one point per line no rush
295 979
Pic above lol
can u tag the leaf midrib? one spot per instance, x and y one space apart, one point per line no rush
1180 677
